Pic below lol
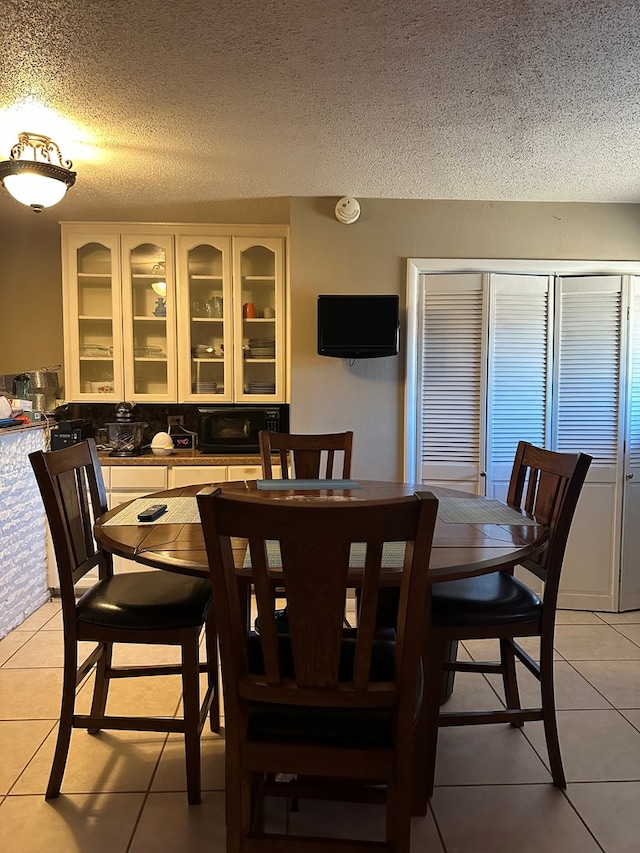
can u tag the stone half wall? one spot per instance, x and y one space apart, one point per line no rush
23 562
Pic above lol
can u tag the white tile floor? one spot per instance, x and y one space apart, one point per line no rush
125 792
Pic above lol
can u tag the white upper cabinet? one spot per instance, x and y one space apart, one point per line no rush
205 324
259 320
164 313
149 318
93 355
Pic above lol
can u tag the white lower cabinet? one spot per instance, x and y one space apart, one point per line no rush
128 482
193 475
244 472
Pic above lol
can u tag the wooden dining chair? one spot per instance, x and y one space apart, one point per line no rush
138 607
308 456
332 710
545 485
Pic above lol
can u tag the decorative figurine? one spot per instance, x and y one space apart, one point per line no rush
161 307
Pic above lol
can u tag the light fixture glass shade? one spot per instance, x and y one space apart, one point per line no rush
27 187
36 182
160 286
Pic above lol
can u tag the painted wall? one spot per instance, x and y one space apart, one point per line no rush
368 256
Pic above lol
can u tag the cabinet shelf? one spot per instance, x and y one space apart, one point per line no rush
92 317
258 278
199 277
105 276
147 318
207 319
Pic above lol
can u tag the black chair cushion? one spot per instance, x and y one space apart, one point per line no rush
493 599
330 726
146 600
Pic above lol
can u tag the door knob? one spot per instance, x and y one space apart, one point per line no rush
629 477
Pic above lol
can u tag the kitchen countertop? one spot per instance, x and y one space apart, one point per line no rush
180 457
15 429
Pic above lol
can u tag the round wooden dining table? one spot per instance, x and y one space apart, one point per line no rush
463 546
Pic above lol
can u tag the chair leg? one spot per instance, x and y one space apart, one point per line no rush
399 804
191 714
549 719
235 819
211 644
101 684
66 721
426 728
244 809
509 677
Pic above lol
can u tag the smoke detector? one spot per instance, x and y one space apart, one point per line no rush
347 210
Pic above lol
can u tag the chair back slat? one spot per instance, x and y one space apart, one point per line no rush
266 604
72 492
315 581
314 663
367 615
309 456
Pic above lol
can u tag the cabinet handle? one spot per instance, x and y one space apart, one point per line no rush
483 473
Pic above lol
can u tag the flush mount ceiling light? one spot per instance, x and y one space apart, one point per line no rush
31 177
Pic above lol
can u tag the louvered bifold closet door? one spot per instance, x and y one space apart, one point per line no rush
452 379
519 375
630 559
587 411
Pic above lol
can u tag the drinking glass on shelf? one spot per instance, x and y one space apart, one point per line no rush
214 307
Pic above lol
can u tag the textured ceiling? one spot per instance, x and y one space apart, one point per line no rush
190 101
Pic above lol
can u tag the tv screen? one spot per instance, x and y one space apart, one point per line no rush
358 326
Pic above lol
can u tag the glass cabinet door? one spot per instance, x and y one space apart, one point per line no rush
205 333
149 314
258 283
93 340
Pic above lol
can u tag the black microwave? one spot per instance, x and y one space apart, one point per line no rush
234 428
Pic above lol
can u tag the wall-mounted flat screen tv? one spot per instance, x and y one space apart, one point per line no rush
358 326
